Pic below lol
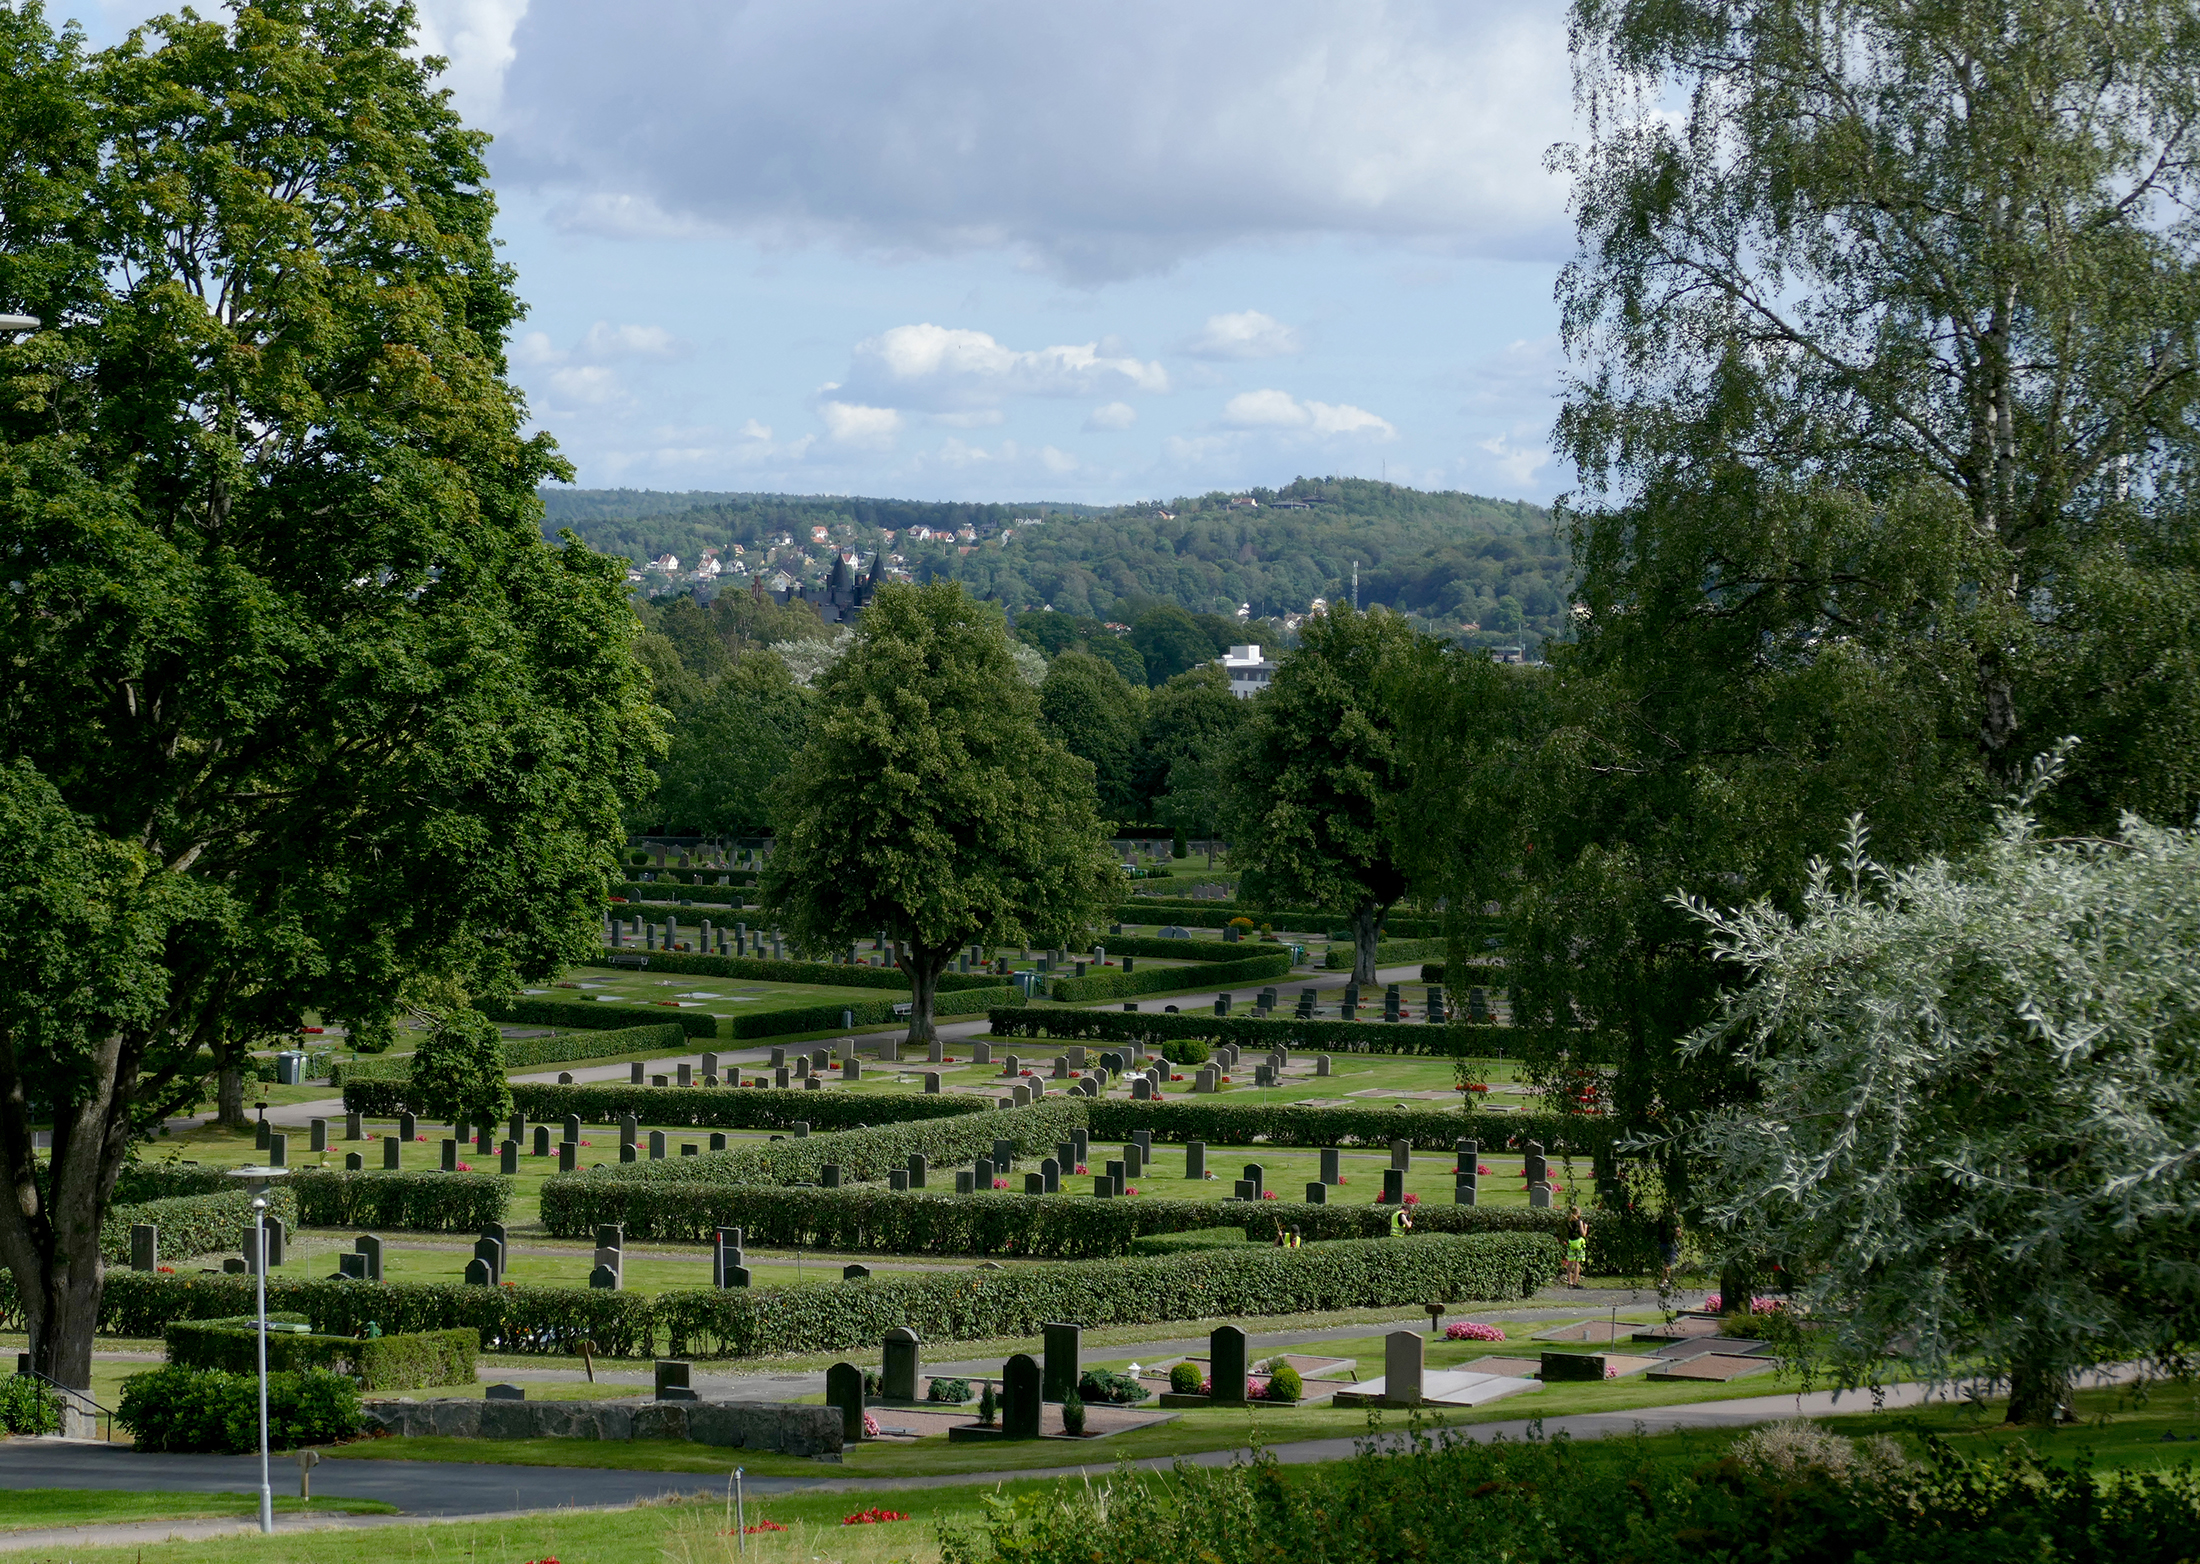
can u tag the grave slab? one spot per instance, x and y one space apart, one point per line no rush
1716 1367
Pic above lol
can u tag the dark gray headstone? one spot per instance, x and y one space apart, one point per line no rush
1394 1187
508 1158
408 1128
1330 1169
605 1277
919 1165
828 1175
1050 1177
144 1246
1020 1398
1255 1177
354 1163
569 1155
1195 1159
656 1145
393 1153
898 1379
1226 1365
855 1273
572 1127
479 1274
669 1378
504 1393
966 1182
355 1127
278 1150
1064 1366
1401 1155
369 1249
844 1389
542 1140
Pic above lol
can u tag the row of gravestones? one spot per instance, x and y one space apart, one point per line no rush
261 1244
737 942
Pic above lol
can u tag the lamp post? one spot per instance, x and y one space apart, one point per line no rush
259 1273
13 323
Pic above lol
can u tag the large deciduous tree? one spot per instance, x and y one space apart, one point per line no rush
297 710
1317 775
728 751
1886 338
1087 705
1978 1105
929 804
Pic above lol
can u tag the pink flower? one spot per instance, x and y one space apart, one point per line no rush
1267 1194
463 1168
1467 1330
1343 1179
1611 1373
870 1426
1000 1183
1082 1168
1412 1199
1481 1169
1129 1191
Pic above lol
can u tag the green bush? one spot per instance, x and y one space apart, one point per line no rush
1221 1122
747 1108
1553 1502
405 1361
503 1319
522 1053
1284 1383
192 1224
1155 1029
28 1407
1191 1051
422 1202
1110 1388
1250 1279
1388 953
192 1410
1184 1379
1073 1415
140 1182
572 1014
952 1391
820 974
875 1220
866 1012
1187 1241
1163 980
1145 945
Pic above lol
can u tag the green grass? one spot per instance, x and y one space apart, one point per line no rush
32 1509
2119 1428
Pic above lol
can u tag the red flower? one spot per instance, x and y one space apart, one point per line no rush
873 1517
1000 1183
1082 1168
1267 1194
751 1530
1412 1199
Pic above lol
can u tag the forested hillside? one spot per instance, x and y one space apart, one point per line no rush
1484 570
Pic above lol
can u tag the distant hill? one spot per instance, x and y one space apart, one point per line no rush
1457 559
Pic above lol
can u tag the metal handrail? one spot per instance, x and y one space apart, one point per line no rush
84 1396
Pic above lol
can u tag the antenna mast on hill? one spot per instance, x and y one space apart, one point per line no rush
1355 586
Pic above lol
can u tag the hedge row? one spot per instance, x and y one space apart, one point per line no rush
823 974
1249 1279
580 1015
1144 945
726 1109
504 1319
873 1219
865 1012
1191 914
392 1362
1388 953
422 1202
143 1181
1163 980
1154 1029
203 1410
522 1053
191 1224
1225 1123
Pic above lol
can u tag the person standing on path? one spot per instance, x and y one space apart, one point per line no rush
1577 1244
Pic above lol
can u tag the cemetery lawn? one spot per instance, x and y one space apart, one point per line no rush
31 1509
2117 1432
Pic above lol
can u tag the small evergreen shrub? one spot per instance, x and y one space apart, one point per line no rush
1184 1379
28 1407
1110 1388
954 1392
183 1410
1073 1415
1284 1383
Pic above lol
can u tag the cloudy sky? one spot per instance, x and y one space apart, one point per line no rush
993 249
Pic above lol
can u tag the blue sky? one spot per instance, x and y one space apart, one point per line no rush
989 250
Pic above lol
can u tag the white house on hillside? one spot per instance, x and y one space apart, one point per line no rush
1249 670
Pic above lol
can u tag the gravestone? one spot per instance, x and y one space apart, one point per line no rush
408 1128
1004 1155
393 1151
1394 1187
685 1073
710 1064
1020 1400
450 1156
1330 1169
1117 1175
671 1381
491 1254
931 1083
478 1273
1195 1159
483 1141
1035 1184
1209 1079
656 1145
635 1073
801 1067
354 1163
1080 1144
1226 1366
1020 1094
569 1155
1064 1365
1134 1160
855 1273
1535 1168
1466 1155
1539 1197
966 1182
660 1080
981 1053
1061 1067
778 1058
571 1128
278 1150
354 1126
516 1128
144 1246
1321 1066
844 1389
1010 1066
919 1165
1466 1189
508 1158
1317 1193
688 1148
1143 1140
504 1393
852 1069
1141 1090
1103 1187
897 1179
1402 1360
565 1077
1242 1190
1253 1176
718 1140
627 1153
1076 1058
351 1268
542 1140
1401 1155
898 1378
828 1175
780 1078
982 1172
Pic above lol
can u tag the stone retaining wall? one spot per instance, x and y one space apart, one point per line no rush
741 1425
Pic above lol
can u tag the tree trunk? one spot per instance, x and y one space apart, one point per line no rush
2037 1395
1367 922
229 1100
923 971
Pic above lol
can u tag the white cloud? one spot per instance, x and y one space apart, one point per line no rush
1270 409
950 369
606 341
1246 334
853 424
1517 462
589 385
475 36
1163 131
1110 416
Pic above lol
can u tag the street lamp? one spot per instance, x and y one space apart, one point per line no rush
20 323
256 1179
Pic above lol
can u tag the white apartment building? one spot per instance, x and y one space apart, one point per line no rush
1249 670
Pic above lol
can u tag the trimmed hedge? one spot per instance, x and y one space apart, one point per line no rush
192 1224
185 1410
823 974
1248 1279
421 1202
728 1109
503 1319
867 1012
1189 1241
522 1053
1144 945
871 1219
1163 980
1388 953
577 1015
1189 914
1154 1029
675 890
1220 1122
400 1362
142 1181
